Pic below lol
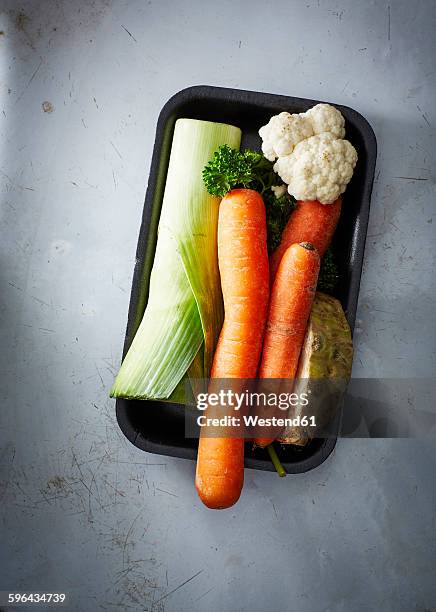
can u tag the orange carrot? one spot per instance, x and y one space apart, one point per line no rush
243 264
291 301
310 222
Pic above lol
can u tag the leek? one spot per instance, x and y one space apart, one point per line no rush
184 312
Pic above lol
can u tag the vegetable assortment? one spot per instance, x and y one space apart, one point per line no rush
243 244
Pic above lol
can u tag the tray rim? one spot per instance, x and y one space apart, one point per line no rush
358 246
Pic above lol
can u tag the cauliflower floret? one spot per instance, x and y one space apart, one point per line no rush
326 118
282 133
279 190
319 168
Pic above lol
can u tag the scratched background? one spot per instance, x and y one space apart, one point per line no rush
82 510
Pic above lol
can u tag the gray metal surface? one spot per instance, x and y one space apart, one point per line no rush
82 510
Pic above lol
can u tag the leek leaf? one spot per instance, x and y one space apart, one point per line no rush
184 311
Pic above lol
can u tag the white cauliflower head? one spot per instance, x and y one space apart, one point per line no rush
319 168
326 118
282 133
312 157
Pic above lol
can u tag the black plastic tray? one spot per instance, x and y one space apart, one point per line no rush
157 426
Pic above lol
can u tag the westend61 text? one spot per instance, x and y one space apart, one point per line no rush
255 421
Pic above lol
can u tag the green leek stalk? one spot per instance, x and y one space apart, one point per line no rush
184 312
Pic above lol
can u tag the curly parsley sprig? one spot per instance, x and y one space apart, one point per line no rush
229 169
